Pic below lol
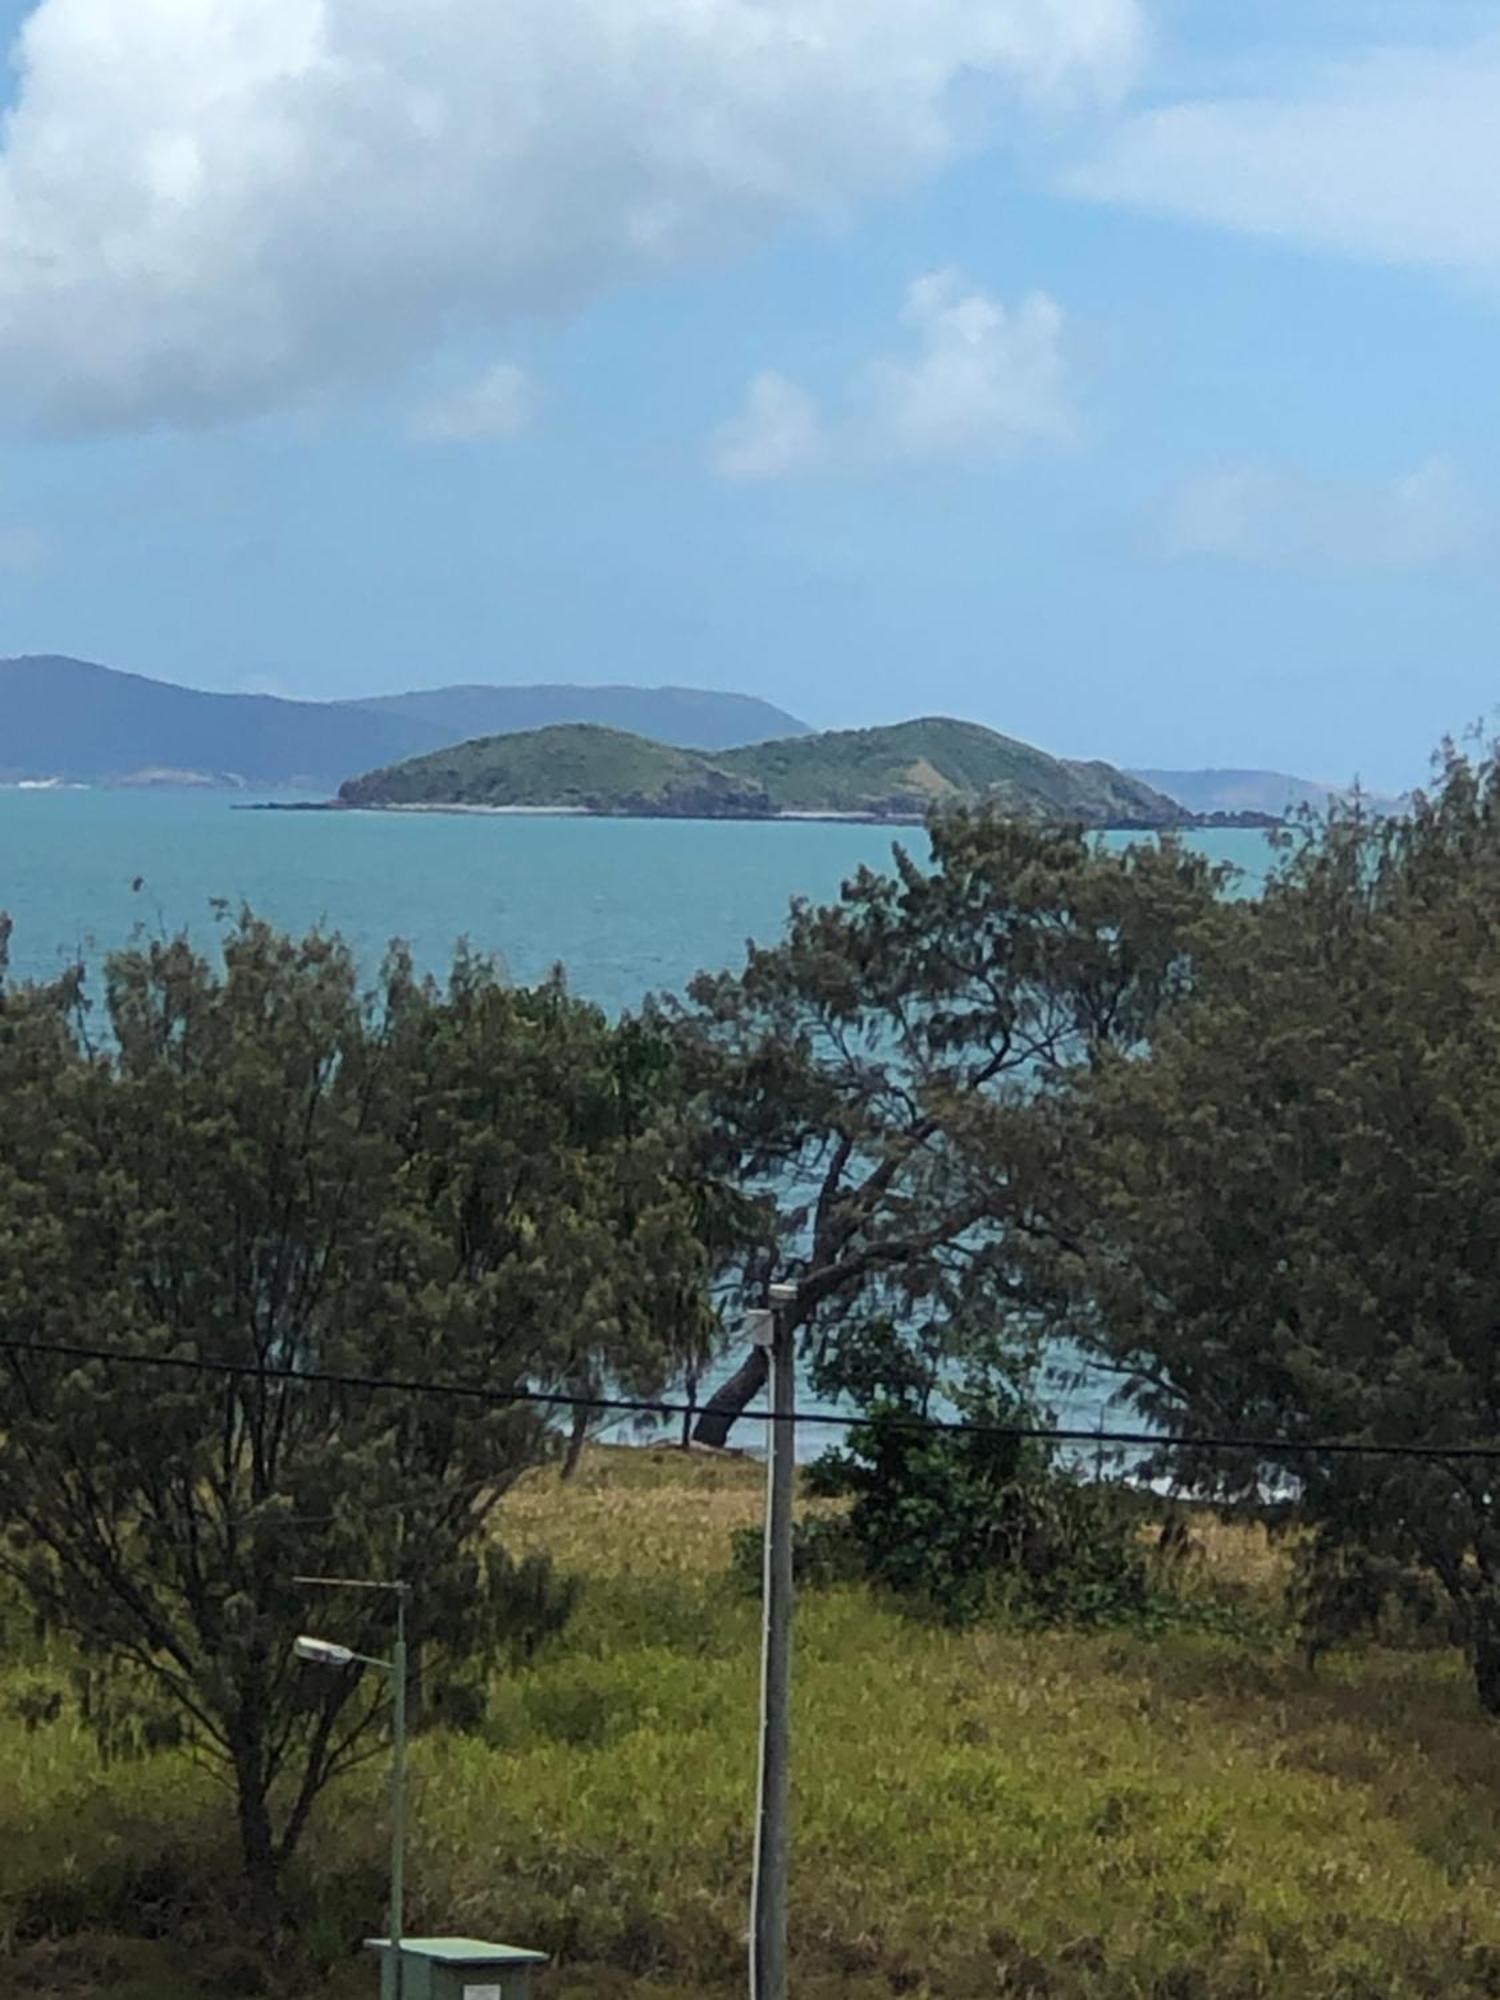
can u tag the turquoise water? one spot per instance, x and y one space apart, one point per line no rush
626 906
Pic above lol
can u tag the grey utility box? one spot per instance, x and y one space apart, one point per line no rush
457 1969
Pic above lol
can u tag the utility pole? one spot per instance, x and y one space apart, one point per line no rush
768 1915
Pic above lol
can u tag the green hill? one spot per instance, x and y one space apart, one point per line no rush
575 765
899 772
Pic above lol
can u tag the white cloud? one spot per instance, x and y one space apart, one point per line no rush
1393 157
777 432
983 380
500 403
977 380
209 207
1269 514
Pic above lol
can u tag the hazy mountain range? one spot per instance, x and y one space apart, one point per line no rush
76 721
73 720
1270 792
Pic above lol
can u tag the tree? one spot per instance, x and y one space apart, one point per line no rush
1284 1220
264 1165
846 1076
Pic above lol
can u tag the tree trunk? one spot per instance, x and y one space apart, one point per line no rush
257 1848
732 1398
1487 1654
690 1386
576 1441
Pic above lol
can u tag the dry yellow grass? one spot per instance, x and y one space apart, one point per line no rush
654 1511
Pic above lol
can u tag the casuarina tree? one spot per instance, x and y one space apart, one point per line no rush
1284 1219
258 1163
863 1084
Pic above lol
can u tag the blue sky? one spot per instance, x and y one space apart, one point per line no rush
1118 373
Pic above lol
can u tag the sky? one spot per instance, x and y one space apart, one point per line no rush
1117 373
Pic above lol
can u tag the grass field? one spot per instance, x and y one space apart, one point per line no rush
1111 1816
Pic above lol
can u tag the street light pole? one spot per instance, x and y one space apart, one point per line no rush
324 1653
768 1917
398 1785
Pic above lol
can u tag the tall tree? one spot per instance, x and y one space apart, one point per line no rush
846 1075
1285 1221
261 1164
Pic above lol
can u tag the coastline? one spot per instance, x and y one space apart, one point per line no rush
1186 824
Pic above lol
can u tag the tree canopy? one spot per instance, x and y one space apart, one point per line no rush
864 1084
259 1163
1283 1221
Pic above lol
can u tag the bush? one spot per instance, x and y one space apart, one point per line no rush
825 1550
35 1700
960 1524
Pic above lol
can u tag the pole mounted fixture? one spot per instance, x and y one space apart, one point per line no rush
323 1652
326 1653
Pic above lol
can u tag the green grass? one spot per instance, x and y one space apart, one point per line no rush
1108 1816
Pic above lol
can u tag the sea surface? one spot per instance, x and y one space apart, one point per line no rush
627 907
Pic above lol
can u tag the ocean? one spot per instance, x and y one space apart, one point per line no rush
627 907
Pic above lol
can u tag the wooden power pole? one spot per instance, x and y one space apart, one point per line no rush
768 1916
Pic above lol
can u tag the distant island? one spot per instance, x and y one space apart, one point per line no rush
899 773
75 722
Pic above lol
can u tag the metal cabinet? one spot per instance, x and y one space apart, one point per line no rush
457 1969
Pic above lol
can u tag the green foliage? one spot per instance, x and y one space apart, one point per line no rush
900 771
964 1524
850 1077
825 1551
35 1700
262 1165
1283 1221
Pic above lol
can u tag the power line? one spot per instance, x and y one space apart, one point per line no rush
827 1419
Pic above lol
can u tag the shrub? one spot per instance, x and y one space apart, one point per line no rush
35 1700
963 1523
825 1550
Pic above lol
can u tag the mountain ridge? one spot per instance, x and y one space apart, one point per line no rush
1216 789
82 722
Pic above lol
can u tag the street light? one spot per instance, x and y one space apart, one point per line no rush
323 1653
327 1653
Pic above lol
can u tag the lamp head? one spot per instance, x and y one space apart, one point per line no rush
322 1652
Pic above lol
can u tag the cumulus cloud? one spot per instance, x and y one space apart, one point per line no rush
500 403
209 207
977 380
1393 157
777 432
981 379
1269 514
